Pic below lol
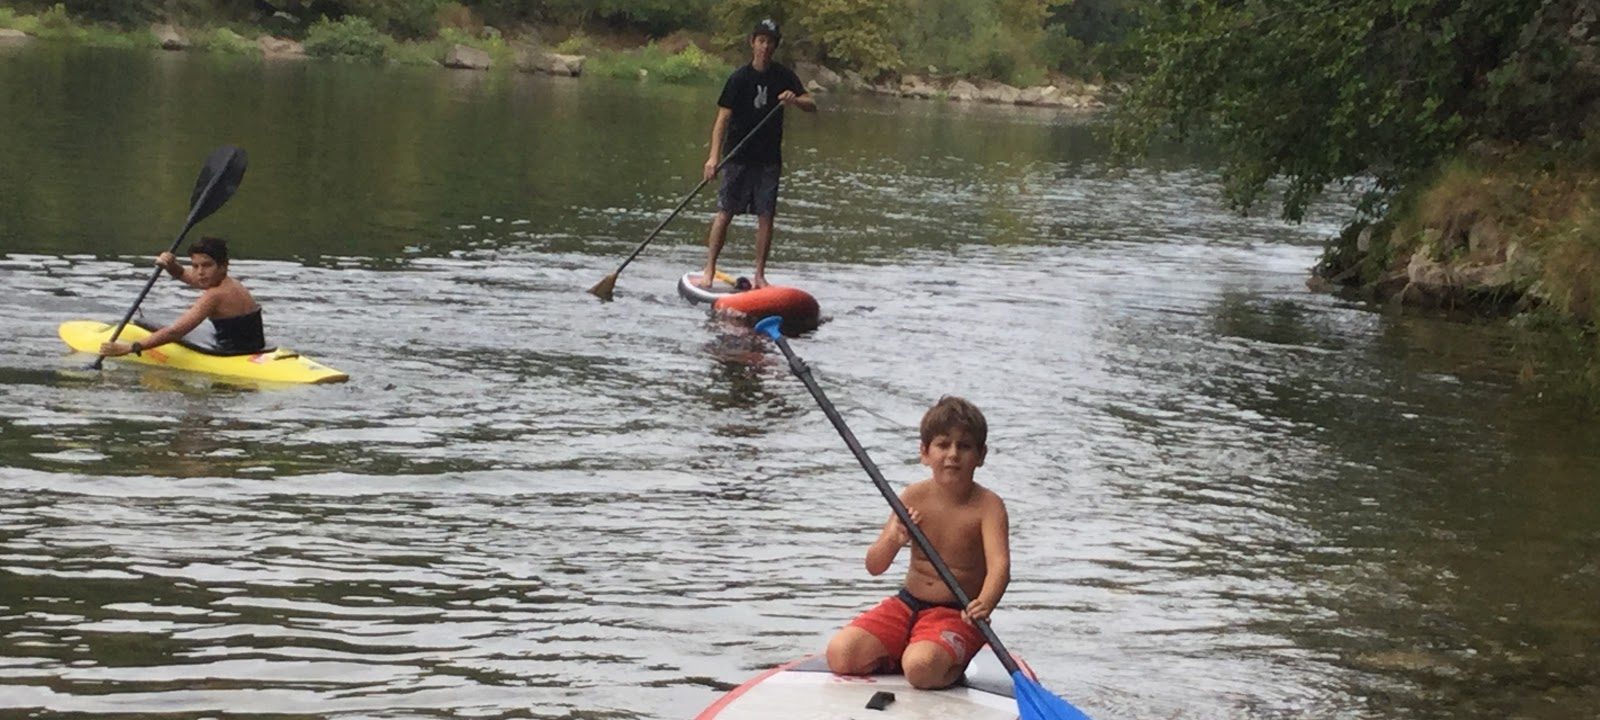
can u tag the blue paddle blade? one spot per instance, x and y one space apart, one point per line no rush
1036 703
771 326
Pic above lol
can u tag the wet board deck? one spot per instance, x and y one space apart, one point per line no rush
805 690
689 289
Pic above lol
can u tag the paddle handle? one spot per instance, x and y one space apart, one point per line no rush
770 326
685 201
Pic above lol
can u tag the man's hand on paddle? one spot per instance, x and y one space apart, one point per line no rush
115 349
803 102
711 169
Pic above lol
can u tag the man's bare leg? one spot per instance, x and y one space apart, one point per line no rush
763 246
714 241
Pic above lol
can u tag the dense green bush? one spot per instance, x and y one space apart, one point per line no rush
692 65
499 50
51 23
56 22
349 38
224 40
415 53
579 43
404 19
119 12
11 19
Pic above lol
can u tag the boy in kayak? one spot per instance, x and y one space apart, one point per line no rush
922 630
750 179
223 300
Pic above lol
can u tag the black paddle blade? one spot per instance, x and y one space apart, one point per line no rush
222 173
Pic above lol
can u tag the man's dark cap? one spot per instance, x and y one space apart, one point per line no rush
767 27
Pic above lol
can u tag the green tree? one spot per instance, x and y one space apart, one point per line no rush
653 17
1084 37
992 39
856 34
402 18
1321 91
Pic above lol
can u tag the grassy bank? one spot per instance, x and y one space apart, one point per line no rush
685 64
356 39
1502 232
55 24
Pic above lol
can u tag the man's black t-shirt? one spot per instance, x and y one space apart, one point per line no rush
750 95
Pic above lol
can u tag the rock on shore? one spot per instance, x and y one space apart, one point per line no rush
1073 96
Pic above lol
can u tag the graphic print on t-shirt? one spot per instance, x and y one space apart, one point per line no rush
752 95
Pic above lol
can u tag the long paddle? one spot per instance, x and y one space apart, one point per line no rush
608 283
1033 701
220 176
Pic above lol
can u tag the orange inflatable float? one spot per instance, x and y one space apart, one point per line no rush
734 298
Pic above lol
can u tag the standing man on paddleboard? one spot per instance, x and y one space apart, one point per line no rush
750 180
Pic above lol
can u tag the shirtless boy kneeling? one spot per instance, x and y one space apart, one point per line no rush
923 631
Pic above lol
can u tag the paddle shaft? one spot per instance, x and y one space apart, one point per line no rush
187 225
803 372
682 203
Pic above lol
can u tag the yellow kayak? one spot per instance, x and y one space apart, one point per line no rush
271 365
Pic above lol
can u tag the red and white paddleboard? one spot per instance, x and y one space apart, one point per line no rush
730 297
805 690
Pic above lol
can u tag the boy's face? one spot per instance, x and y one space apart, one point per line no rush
762 47
953 455
207 271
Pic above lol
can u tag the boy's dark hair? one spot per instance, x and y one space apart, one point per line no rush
216 247
953 412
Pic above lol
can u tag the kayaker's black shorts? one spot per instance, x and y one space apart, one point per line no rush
749 189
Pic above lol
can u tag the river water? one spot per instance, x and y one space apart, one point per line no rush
1230 497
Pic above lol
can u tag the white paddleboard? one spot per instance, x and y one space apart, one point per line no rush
805 690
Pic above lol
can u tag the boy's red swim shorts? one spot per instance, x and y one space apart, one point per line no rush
896 624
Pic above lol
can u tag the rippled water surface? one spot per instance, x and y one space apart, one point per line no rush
1230 497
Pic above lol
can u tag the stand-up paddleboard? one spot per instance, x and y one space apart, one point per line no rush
270 365
806 690
727 296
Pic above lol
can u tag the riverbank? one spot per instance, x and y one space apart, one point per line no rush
679 58
1502 232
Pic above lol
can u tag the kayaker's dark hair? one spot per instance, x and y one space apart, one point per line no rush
953 412
216 247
